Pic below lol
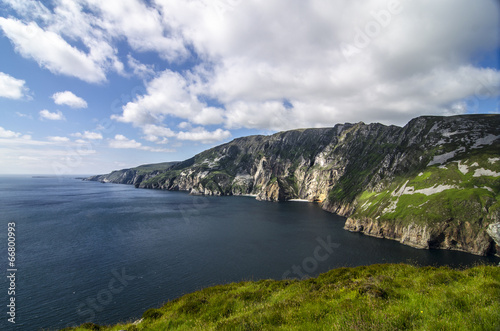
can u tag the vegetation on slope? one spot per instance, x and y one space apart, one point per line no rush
376 297
459 194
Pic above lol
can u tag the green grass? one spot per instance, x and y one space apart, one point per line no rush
376 297
471 199
147 168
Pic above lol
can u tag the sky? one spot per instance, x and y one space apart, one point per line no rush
91 86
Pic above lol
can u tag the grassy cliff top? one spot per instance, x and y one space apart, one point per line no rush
376 297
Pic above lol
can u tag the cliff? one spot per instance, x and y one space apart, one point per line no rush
433 183
133 176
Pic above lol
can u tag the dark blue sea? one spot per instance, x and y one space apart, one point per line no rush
105 253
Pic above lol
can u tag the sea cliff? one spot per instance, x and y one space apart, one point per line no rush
433 183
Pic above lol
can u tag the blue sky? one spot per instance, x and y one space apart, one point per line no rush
90 86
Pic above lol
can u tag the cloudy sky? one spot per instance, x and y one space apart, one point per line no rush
89 86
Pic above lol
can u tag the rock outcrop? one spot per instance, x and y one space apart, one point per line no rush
442 235
430 184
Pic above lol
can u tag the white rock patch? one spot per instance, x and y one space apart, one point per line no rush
427 191
449 134
400 191
463 168
485 172
203 174
365 205
435 189
391 208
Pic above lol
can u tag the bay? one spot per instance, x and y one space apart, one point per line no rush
105 253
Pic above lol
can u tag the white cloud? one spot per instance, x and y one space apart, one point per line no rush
24 115
11 87
122 142
405 63
157 150
410 64
89 135
156 130
69 99
163 141
98 25
168 95
8 134
58 139
51 51
202 135
13 137
184 125
140 69
141 25
153 133
31 9
257 58
151 138
57 116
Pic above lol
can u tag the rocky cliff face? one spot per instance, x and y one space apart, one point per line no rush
433 183
443 235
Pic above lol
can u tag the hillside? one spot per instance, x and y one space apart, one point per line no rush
376 297
433 183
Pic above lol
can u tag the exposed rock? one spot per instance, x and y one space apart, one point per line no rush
493 231
443 235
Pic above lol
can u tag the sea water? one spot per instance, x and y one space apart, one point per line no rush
105 253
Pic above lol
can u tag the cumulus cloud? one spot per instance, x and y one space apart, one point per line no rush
120 19
8 134
58 139
156 133
202 135
11 87
51 51
98 25
56 116
89 135
69 99
318 63
122 142
273 65
168 95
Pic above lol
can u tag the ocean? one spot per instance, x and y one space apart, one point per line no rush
105 253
